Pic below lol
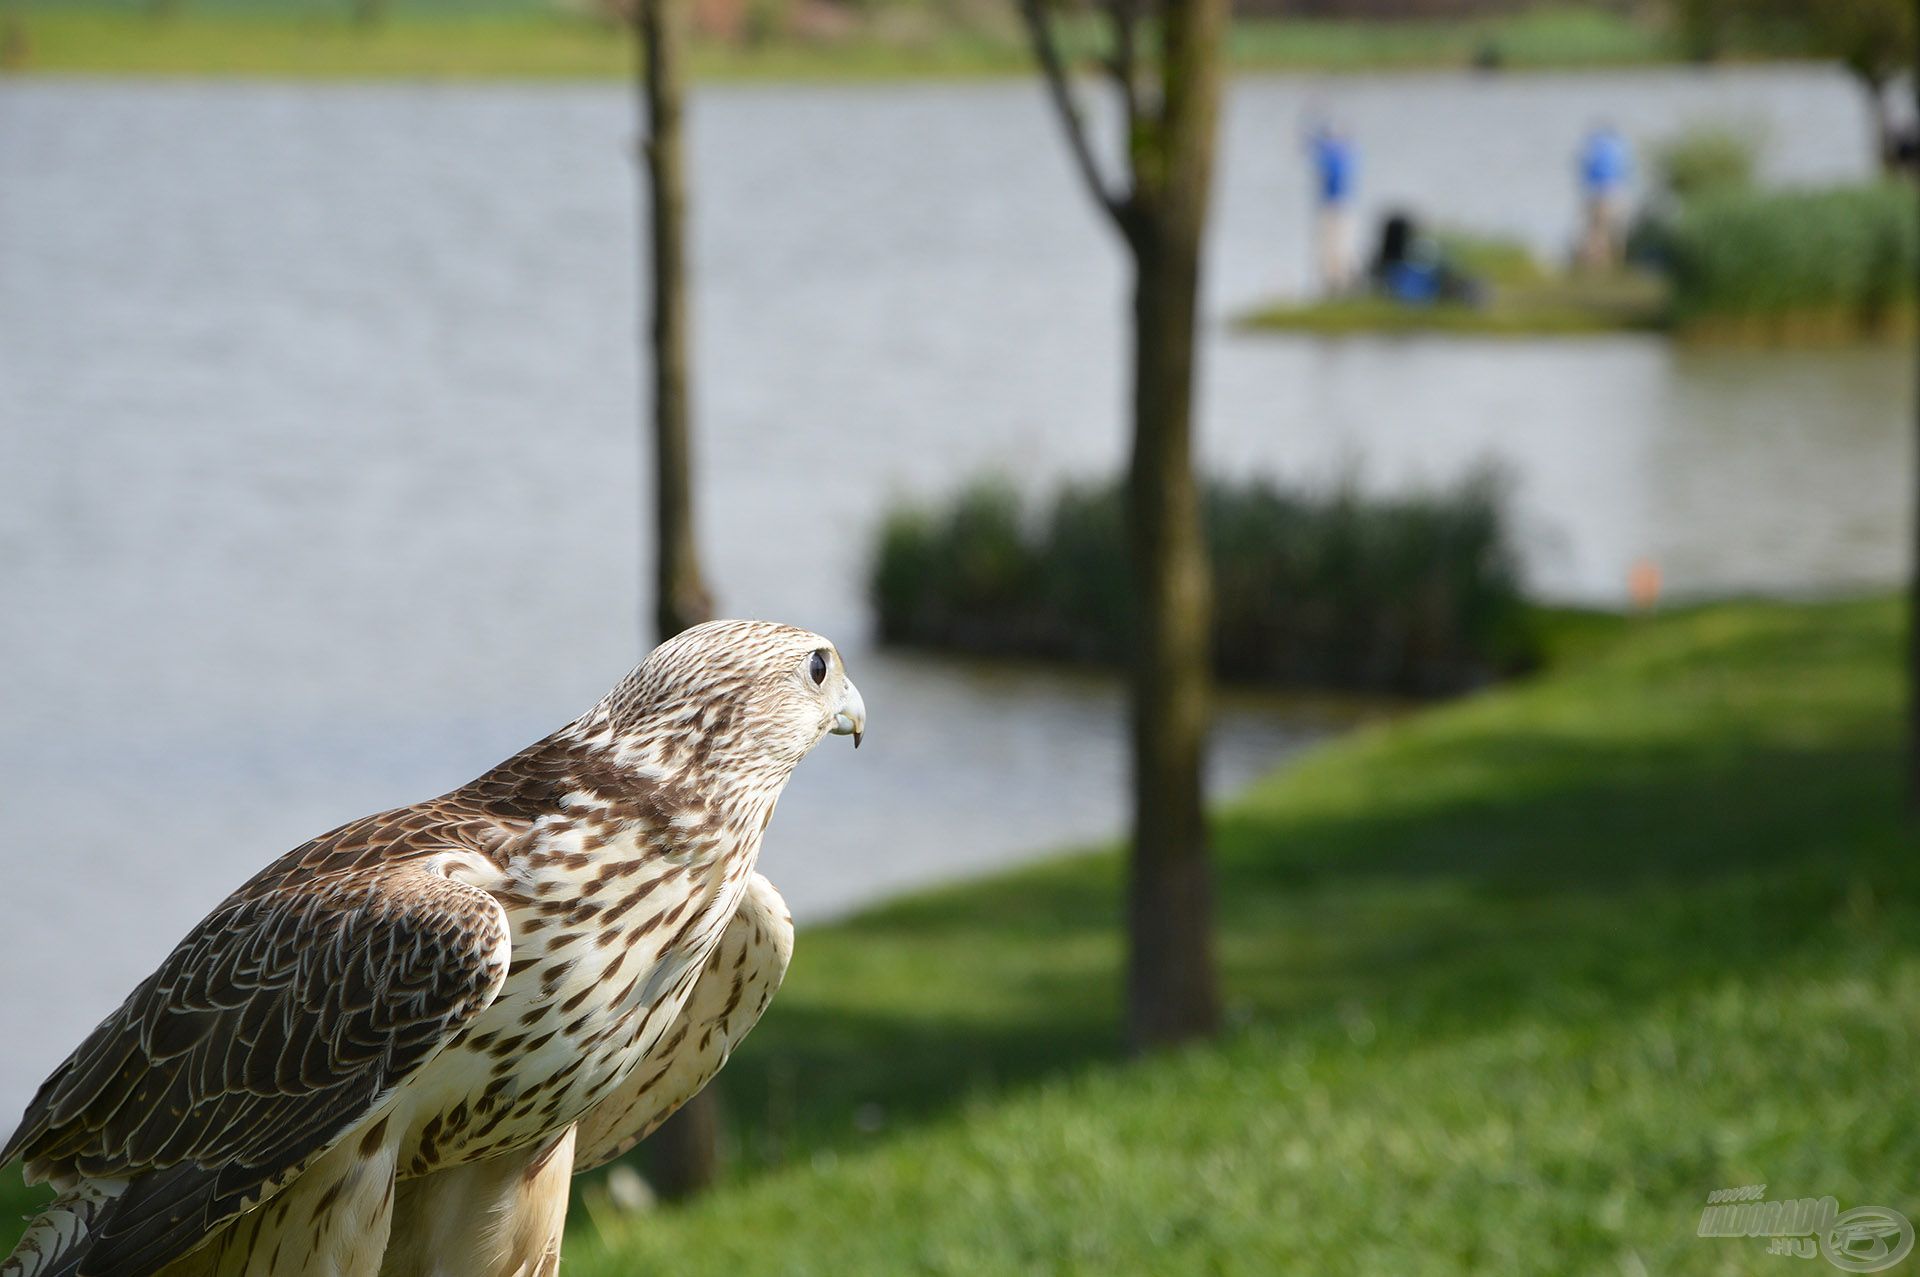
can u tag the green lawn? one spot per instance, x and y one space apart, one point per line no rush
1514 983
1560 307
1570 306
1524 298
885 39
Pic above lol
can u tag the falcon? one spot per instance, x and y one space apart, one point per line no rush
389 1052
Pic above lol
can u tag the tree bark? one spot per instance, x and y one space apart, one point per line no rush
1161 213
1913 578
683 1156
1172 989
1171 986
680 595
1886 145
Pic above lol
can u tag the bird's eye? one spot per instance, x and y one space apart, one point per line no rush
817 668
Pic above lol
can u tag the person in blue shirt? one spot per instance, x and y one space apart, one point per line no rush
1334 166
1606 163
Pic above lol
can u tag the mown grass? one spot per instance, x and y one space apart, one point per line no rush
1518 296
1553 306
486 46
900 38
1513 983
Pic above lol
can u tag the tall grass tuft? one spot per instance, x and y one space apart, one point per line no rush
1840 259
1706 159
1415 594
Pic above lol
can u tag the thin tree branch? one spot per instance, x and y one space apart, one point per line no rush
1124 64
1060 88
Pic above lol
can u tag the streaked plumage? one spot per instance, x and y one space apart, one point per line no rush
389 1050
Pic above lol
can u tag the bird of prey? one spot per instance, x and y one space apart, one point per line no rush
389 1051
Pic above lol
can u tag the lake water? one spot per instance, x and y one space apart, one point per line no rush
318 451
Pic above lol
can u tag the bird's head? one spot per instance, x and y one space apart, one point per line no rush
751 694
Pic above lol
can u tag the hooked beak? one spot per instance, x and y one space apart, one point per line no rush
851 718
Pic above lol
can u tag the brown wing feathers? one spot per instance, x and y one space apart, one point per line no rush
269 1032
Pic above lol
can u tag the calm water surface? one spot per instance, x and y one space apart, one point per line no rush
318 459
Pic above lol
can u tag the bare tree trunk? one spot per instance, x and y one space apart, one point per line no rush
1170 975
1913 638
1886 144
1172 990
1913 579
683 1156
680 596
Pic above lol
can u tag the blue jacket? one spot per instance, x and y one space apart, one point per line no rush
1334 162
1605 162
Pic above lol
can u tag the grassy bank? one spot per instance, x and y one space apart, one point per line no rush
1514 984
1558 307
884 40
1729 262
1519 296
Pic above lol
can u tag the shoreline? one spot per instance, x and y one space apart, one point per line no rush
546 47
